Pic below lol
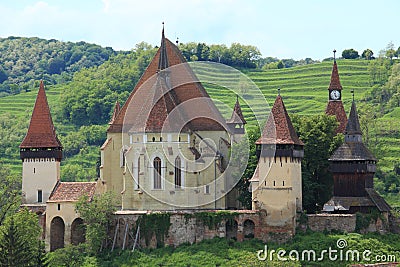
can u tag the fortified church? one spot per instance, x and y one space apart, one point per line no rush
167 149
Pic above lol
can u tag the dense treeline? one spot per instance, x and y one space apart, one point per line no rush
89 97
26 60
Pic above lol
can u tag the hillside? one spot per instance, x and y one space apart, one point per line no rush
25 60
303 88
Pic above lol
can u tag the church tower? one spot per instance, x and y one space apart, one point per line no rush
41 154
276 183
353 167
335 105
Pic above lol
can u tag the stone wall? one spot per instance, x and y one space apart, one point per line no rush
187 228
343 222
329 222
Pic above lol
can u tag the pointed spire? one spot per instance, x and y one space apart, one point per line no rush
41 132
163 62
117 108
237 115
353 124
279 128
335 80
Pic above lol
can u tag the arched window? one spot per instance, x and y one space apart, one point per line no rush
157 173
178 172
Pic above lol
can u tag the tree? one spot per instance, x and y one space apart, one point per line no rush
367 54
243 184
19 237
320 140
97 216
350 54
9 193
390 52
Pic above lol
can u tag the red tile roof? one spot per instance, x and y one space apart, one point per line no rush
237 115
335 81
161 90
41 131
279 128
72 191
335 108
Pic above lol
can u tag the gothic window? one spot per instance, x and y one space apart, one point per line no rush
178 172
157 173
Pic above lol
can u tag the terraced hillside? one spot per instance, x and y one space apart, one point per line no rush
303 88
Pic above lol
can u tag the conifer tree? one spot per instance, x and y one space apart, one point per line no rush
14 250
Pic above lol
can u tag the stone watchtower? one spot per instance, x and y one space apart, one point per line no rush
276 183
41 154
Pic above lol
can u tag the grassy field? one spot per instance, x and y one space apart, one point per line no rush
303 88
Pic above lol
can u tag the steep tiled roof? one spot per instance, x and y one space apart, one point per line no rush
237 115
72 191
353 124
279 128
335 81
41 132
159 93
335 108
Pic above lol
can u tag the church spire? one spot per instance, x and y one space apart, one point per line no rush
353 131
163 61
335 80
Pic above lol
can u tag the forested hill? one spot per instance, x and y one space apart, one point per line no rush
26 60
83 89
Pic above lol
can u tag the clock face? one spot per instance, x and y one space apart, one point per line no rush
335 94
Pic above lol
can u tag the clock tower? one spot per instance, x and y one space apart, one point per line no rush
335 105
